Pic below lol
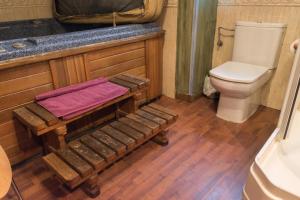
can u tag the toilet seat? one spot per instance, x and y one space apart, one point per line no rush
238 72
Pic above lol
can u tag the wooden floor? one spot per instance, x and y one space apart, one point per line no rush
207 158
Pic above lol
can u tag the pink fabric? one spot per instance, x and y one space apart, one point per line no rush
74 100
71 88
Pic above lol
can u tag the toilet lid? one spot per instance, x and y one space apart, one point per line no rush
238 72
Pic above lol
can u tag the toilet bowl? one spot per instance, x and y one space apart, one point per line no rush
240 81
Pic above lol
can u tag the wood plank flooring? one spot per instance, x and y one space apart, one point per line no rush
207 158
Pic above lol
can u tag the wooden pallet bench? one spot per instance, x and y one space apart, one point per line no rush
39 121
82 159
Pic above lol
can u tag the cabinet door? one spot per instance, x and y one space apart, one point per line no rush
154 50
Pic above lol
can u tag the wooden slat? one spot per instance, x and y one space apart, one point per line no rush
112 143
141 84
131 86
105 152
23 71
48 117
137 126
153 125
121 137
146 80
162 122
114 51
77 163
28 82
88 155
137 71
138 136
158 113
30 119
136 65
64 171
163 109
25 96
116 59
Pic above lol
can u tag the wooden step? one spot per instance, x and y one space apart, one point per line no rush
131 86
88 154
162 122
45 115
140 83
30 119
163 109
121 137
137 126
108 154
77 163
169 118
84 158
138 136
62 170
109 141
153 125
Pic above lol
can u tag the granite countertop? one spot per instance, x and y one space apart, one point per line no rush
43 44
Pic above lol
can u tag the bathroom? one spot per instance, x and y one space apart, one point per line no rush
214 150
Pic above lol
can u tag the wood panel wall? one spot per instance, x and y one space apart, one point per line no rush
284 11
12 10
20 84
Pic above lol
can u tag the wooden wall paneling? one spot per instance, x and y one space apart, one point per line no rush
19 86
109 62
68 70
58 73
154 60
263 11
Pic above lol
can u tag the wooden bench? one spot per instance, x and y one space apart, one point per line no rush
40 122
82 159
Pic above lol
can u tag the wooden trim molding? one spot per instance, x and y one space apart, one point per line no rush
25 3
171 4
259 2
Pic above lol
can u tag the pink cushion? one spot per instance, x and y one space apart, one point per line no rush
74 100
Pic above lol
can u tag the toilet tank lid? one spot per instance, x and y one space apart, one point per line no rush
261 24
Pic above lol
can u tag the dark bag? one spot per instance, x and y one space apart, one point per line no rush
92 7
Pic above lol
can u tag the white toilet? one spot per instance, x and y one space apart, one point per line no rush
240 81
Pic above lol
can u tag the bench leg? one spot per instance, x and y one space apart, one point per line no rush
91 187
161 138
61 132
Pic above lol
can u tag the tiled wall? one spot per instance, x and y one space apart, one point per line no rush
11 10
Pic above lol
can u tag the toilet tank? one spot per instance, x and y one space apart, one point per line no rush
258 43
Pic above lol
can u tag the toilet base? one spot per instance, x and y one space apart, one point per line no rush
238 110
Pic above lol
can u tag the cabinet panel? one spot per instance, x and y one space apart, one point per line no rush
109 62
154 49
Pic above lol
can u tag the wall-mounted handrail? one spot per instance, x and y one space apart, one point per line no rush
220 34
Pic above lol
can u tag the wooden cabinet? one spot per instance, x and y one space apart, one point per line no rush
23 78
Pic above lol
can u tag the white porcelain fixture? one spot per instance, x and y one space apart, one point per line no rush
240 81
275 173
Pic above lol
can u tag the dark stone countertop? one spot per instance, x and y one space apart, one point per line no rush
70 39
